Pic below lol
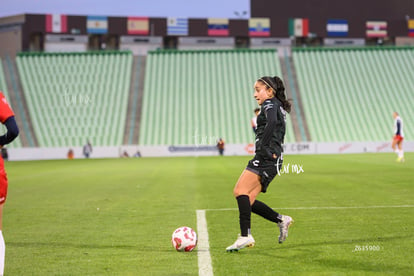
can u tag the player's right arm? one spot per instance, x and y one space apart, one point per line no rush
398 127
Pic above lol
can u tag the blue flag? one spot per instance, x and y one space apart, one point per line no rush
337 27
177 26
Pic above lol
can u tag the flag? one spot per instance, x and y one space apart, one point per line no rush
138 25
299 27
376 28
218 26
177 26
411 27
97 24
259 27
337 27
56 23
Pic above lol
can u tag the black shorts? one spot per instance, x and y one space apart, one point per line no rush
266 169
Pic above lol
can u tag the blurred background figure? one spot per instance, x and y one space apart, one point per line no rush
137 154
220 146
71 154
87 149
398 138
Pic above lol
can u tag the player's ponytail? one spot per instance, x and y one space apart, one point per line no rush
278 90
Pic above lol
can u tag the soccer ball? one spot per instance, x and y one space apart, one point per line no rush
184 239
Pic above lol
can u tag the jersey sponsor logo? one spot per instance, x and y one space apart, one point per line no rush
268 106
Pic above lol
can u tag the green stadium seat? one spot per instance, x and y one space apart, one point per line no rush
349 94
196 97
76 94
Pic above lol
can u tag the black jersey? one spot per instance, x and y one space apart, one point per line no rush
271 128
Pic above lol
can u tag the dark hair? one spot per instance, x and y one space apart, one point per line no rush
278 90
256 109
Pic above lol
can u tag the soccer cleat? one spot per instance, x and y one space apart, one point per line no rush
241 243
400 159
284 227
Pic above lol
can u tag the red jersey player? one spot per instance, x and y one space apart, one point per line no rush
7 119
398 138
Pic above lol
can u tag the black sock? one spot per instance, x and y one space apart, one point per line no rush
265 211
245 210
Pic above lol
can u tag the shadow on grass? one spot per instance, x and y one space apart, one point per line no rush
88 246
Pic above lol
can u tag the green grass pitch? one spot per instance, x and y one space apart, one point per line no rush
116 216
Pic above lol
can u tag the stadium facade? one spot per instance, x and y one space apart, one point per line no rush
72 78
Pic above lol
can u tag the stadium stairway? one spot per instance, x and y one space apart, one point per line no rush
299 122
135 101
26 136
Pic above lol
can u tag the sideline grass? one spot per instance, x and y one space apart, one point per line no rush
116 216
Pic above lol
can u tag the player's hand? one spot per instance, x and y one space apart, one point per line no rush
268 154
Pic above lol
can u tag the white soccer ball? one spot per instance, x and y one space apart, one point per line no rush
184 239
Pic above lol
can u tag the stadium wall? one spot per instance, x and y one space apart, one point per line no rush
30 29
11 35
21 154
319 11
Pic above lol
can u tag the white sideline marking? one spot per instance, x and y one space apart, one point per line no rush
204 259
326 207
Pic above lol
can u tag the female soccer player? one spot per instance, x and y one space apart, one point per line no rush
398 137
270 95
6 118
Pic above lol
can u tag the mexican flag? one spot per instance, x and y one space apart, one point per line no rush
299 27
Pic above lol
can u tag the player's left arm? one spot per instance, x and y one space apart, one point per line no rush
12 131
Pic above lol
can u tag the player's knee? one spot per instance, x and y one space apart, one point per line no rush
238 192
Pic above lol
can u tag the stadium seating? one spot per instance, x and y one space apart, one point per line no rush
196 97
350 94
3 87
75 97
